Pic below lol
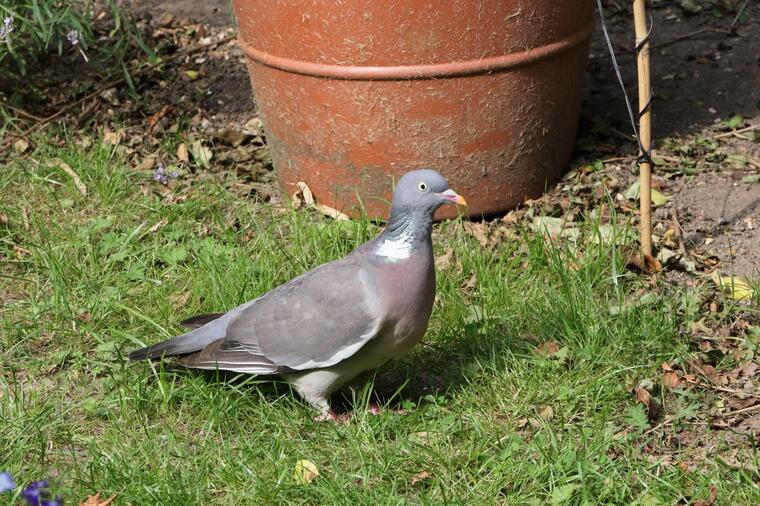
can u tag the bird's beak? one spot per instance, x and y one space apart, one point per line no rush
452 196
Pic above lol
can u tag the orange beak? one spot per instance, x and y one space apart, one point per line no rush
454 197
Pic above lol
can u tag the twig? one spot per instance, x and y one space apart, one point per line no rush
690 35
42 123
732 391
738 15
740 411
739 131
679 231
22 112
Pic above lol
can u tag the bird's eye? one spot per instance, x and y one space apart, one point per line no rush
422 186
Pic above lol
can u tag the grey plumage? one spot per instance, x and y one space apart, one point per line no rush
325 327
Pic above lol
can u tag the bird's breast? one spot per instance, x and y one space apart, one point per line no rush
408 291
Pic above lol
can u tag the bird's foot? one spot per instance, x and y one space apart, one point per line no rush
331 416
376 409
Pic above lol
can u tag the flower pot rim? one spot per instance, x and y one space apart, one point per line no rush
428 71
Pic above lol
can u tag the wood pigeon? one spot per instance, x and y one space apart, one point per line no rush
345 317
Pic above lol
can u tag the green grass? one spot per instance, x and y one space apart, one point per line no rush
85 279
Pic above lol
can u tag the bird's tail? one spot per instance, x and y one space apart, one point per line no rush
180 345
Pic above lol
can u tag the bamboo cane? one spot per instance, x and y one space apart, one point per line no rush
645 125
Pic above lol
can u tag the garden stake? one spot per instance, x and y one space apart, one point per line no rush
645 125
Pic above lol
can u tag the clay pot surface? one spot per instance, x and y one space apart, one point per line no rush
355 93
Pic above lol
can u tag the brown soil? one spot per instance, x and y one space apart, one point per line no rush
720 216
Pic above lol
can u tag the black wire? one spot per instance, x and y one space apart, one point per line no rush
645 154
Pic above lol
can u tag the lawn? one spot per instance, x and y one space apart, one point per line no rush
520 394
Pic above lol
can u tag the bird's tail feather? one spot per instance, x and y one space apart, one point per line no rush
180 345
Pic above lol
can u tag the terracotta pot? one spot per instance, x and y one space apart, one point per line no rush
355 93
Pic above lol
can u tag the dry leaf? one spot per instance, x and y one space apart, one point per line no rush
644 397
231 137
182 153
471 282
154 119
421 476
21 145
112 138
146 164
305 472
637 261
60 164
548 348
331 212
546 412
304 197
479 231
443 262
671 380
201 154
95 500
711 500
179 300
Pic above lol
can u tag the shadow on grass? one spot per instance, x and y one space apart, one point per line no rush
431 369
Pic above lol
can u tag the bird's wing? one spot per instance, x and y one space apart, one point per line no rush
316 320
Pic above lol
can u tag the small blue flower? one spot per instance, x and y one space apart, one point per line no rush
34 492
6 28
162 176
74 37
6 482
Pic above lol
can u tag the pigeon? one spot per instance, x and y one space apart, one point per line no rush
346 317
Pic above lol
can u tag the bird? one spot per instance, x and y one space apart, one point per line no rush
329 325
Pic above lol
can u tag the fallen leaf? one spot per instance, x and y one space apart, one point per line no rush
418 477
331 212
147 164
179 300
636 260
548 348
154 119
479 231
671 380
546 412
307 198
711 500
162 222
734 286
201 154
21 145
305 472
554 227
192 74
60 164
471 282
231 137
95 500
112 138
658 199
632 193
443 262
644 397
182 153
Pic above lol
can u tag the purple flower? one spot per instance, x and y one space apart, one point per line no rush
74 37
6 481
6 28
162 176
34 491
35 494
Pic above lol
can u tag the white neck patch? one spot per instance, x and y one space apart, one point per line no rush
398 248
